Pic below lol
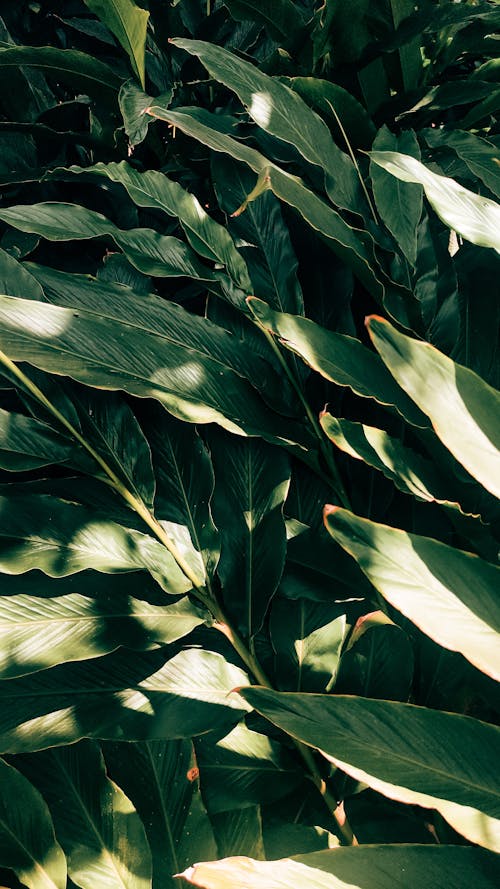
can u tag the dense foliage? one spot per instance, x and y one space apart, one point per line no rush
249 444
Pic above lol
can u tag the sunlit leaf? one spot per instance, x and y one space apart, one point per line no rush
128 22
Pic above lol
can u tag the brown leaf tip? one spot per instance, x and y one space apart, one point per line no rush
328 510
374 318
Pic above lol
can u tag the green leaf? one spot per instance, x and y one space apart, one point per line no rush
133 103
244 768
322 95
367 866
281 18
160 777
27 842
252 481
378 661
128 23
98 348
269 254
463 409
136 696
399 203
184 482
478 154
239 832
340 358
28 444
70 66
411 754
283 113
156 191
15 280
410 472
449 594
147 250
351 245
39 632
307 640
474 217
100 831
62 538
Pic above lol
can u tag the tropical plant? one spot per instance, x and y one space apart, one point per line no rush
249 444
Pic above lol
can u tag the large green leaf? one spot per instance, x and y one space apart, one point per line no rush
244 768
100 831
239 832
154 190
463 409
378 661
399 203
353 246
284 114
15 280
270 257
145 248
366 867
161 779
340 358
27 842
307 640
128 22
281 18
323 96
110 353
451 595
61 538
184 482
411 754
133 696
252 481
70 66
480 155
474 217
28 444
38 632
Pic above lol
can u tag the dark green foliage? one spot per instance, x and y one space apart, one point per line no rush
249 444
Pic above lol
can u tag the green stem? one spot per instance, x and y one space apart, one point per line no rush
323 443
221 621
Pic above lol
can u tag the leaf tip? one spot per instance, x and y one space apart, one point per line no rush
370 318
328 510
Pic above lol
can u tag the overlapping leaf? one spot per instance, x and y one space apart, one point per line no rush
128 22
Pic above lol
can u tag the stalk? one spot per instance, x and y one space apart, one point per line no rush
206 598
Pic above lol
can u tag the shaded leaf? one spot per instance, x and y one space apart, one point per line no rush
128 23
408 753
96 824
26 443
27 842
464 410
251 485
15 280
239 832
323 95
399 203
68 65
134 696
160 777
480 155
378 661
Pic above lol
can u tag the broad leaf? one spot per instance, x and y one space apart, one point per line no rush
27 842
480 155
244 768
146 249
123 695
367 867
251 485
109 353
283 113
96 824
133 102
399 203
38 632
463 409
411 754
474 217
333 101
28 444
351 245
68 66
340 358
307 640
239 832
61 538
15 280
128 22
281 18
161 779
378 661
449 594
156 191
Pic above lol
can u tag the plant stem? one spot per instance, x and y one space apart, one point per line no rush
221 621
353 158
